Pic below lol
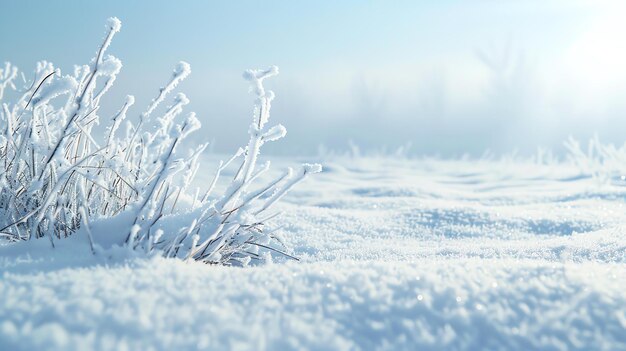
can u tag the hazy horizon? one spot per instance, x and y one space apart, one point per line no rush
449 77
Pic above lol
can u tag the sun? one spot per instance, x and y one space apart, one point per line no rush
598 57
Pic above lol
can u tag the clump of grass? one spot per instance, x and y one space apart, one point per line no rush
606 163
57 175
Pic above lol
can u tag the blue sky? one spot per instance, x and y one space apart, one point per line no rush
447 76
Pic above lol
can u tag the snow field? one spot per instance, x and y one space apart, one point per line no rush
395 254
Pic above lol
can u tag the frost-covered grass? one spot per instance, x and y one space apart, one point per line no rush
395 254
58 178
604 162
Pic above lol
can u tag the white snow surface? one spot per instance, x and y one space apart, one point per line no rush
395 255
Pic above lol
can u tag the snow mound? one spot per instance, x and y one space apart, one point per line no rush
439 259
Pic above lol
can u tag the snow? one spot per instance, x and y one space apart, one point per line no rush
114 24
275 133
394 254
181 71
110 66
58 86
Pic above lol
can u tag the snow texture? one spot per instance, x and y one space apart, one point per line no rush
395 255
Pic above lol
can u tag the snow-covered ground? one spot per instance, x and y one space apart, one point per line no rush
395 254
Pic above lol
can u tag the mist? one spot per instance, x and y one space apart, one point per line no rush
447 78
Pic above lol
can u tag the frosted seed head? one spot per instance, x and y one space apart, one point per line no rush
258 74
110 66
272 71
182 98
275 133
182 69
114 24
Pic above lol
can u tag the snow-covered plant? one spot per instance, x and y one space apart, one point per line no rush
603 162
57 175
